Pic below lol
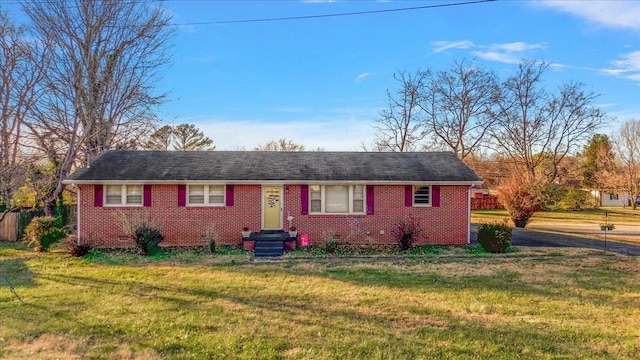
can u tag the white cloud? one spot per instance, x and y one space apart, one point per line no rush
518 46
627 67
446 45
508 53
503 57
335 130
619 14
362 77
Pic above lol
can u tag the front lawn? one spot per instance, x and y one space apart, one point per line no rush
197 306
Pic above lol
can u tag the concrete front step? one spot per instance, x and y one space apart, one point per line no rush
269 243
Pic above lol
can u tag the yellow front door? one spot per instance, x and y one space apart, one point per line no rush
272 207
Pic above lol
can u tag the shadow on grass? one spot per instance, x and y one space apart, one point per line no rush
330 311
13 270
349 329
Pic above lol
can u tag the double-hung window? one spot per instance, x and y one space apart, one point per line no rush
421 195
336 199
123 195
206 195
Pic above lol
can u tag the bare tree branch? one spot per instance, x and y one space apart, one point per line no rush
400 127
537 129
281 145
458 103
98 92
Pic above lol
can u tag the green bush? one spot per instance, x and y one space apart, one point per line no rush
147 239
495 237
42 232
576 199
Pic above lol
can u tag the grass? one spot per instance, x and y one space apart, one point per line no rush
195 305
596 216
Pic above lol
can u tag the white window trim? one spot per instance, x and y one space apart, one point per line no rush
206 196
323 200
123 196
413 195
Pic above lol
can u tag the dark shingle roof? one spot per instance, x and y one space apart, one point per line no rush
257 166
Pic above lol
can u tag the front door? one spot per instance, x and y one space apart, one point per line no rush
272 207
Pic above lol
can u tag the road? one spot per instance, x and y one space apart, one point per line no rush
578 238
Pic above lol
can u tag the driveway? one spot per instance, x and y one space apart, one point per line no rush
542 238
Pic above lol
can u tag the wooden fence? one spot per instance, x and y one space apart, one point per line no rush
485 203
12 227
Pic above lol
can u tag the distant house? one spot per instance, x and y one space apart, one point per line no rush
357 195
605 198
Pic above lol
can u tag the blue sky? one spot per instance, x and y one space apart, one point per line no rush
321 82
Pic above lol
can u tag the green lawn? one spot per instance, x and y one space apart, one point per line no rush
187 305
614 215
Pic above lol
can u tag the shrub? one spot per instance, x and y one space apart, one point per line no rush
576 199
406 231
522 197
79 250
495 237
330 241
42 232
147 239
211 237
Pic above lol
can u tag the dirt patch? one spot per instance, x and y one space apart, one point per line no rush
61 347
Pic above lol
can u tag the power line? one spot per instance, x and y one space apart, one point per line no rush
320 16
304 17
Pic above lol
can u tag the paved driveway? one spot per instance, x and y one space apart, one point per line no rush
534 237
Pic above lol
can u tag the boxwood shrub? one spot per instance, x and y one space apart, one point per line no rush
495 237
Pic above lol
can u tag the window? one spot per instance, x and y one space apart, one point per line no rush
336 199
613 197
123 195
421 195
203 195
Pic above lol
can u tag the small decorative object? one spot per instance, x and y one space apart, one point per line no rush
248 244
246 232
293 232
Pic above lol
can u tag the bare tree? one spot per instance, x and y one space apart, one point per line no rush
105 61
281 145
537 129
457 104
625 177
401 126
21 68
188 137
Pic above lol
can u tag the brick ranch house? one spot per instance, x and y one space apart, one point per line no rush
356 195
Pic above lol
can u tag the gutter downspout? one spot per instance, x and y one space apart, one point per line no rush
78 201
468 214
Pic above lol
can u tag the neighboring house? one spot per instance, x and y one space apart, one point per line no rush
611 199
357 195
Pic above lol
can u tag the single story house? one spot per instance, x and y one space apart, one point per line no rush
605 198
190 195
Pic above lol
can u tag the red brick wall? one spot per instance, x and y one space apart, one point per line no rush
186 226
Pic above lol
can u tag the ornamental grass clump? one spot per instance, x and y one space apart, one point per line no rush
495 237
44 231
406 231
147 239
